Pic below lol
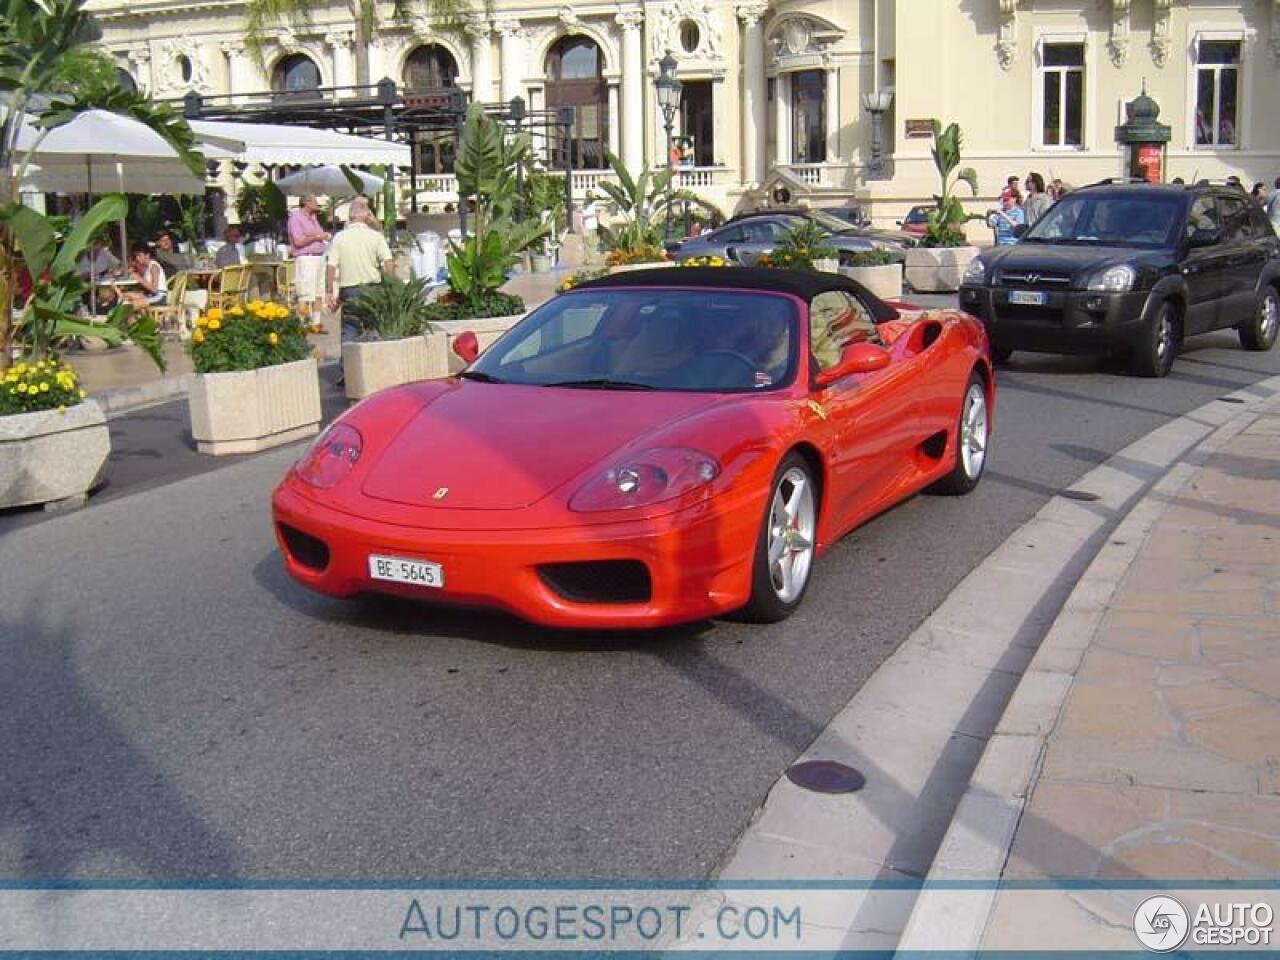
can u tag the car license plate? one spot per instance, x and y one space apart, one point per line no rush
1027 298
420 573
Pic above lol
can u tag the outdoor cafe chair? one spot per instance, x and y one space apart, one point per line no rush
285 282
171 316
228 288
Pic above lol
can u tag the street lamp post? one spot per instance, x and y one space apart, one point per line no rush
516 111
668 90
876 103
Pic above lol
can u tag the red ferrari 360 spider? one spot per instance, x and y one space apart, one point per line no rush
649 448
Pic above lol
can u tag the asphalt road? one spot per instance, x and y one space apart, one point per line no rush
172 707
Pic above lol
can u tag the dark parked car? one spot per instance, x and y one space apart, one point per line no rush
1133 268
744 239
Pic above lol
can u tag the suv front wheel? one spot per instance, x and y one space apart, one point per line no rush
1259 331
1157 345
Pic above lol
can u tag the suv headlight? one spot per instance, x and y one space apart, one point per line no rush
975 272
1118 279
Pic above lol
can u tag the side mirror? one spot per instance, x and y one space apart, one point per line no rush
855 358
1205 237
731 253
467 346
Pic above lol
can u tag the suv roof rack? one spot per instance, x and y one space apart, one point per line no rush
1113 181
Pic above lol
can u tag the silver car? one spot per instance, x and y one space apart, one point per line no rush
745 239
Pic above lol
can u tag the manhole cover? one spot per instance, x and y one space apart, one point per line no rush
826 776
1078 495
1231 400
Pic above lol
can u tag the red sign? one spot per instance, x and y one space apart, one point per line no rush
1149 162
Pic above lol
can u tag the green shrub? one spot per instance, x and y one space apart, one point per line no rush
392 310
494 304
868 258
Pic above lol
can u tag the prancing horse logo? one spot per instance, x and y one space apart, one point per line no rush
440 494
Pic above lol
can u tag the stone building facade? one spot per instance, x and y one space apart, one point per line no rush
774 89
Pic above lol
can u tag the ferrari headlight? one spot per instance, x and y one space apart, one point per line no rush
331 457
976 271
646 478
1118 279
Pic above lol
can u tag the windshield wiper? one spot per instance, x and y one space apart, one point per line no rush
601 383
480 376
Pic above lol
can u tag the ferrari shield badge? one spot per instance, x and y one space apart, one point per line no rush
440 494
818 409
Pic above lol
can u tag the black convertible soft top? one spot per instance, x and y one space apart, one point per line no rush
799 283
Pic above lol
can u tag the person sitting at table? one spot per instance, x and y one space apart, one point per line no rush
97 262
153 285
232 252
168 255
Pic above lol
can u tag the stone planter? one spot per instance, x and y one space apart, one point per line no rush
884 281
50 457
250 410
827 264
541 263
937 269
370 366
442 361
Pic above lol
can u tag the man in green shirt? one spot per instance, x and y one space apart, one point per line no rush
358 256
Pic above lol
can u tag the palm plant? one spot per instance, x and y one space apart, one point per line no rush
945 220
40 40
392 310
638 201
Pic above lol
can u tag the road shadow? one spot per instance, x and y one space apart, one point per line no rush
80 797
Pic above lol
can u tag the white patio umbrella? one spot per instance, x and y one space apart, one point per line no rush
281 143
328 181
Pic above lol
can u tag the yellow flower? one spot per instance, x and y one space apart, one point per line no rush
61 408
215 314
215 323
273 338
83 394
202 322
21 388
236 311
197 335
44 386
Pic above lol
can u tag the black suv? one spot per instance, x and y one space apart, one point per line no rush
1132 268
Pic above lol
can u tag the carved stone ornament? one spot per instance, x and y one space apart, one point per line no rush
1162 32
478 27
1007 41
666 27
510 27
1118 44
752 13
569 19
340 39
169 79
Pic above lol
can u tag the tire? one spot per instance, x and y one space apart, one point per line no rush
1259 331
973 436
1154 353
778 586
1001 354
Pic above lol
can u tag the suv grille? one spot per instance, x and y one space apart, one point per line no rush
1033 278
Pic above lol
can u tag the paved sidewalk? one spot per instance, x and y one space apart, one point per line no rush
1144 742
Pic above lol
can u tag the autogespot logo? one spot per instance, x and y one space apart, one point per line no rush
1161 924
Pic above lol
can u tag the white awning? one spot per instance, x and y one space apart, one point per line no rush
282 143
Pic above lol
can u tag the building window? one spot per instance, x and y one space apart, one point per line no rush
1217 92
125 81
690 36
430 67
1062 85
295 74
697 121
575 79
185 70
808 116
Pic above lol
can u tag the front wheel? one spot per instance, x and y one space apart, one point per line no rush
1259 331
973 435
1158 344
785 546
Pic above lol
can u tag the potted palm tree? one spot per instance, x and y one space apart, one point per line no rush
938 263
393 345
634 241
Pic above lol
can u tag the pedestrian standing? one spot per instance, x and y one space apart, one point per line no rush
357 259
1273 205
1004 221
1037 201
307 241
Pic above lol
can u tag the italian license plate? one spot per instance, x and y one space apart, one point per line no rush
419 573
1027 298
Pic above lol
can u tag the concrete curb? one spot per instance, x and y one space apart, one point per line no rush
981 833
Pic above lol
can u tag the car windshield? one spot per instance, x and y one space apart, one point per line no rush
1128 220
649 339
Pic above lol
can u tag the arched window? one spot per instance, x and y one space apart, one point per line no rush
430 67
124 79
296 73
575 78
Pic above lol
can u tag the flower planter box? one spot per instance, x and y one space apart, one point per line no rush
250 410
937 269
827 264
370 366
884 281
628 267
50 457
540 263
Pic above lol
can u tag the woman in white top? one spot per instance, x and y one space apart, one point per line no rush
153 285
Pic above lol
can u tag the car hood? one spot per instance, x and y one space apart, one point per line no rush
488 446
1072 260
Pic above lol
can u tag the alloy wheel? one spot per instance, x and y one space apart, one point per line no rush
973 431
792 521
